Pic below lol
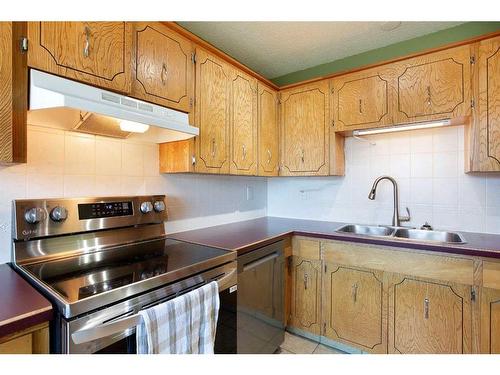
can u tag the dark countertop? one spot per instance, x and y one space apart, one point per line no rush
247 235
21 306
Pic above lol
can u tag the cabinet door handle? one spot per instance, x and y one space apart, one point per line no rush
305 281
86 47
426 308
302 155
428 95
355 292
360 106
163 73
269 156
244 151
213 147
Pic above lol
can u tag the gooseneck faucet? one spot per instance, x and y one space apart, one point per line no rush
396 219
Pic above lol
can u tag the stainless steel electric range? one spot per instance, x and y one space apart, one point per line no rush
101 260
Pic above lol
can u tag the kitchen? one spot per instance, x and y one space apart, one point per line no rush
366 189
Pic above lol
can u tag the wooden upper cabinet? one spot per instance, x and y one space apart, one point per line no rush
434 86
268 131
429 317
306 294
212 113
354 307
98 53
305 130
483 136
163 66
243 124
362 100
13 94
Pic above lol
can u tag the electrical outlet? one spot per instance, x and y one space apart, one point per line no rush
249 193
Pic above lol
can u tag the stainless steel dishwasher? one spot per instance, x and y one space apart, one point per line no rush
260 308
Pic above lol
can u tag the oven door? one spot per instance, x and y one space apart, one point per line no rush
109 331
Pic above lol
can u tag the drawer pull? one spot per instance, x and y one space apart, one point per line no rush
355 292
426 308
86 48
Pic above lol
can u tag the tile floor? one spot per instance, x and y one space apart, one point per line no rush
294 344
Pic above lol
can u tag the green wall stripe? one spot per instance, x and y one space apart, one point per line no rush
433 40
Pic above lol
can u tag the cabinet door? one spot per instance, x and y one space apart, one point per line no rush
268 131
434 86
429 317
483 136
98 53
212 113
361 100
490 321
163 66
243 124
354 308
305 130
306 294
13 94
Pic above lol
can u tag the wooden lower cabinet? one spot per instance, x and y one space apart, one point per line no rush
305 311
354 307
428 317
490 321
34 340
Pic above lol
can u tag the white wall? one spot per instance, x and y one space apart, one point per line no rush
69 164
428 166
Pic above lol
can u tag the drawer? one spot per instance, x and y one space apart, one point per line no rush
388 259
306 248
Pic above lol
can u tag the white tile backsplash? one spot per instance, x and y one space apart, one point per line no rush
428 165
69 164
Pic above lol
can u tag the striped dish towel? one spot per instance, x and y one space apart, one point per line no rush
183 325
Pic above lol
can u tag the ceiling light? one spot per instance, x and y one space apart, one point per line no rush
398 128
389 26
133 127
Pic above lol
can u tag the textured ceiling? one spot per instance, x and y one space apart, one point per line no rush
277 48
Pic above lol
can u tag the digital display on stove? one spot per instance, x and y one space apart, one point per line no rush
107 209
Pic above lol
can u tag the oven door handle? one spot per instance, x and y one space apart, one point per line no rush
104 330
107 329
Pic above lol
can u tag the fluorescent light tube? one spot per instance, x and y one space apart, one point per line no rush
133 127
398 128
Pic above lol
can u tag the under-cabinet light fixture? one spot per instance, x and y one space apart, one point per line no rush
414 126
133 127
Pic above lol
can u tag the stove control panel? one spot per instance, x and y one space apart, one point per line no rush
36 218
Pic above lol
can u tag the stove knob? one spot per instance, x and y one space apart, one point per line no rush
34 215
159 206
59 213
146 207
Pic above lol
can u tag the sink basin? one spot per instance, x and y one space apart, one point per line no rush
428 235
367 230
403 233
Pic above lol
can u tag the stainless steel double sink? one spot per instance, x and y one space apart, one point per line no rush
403 233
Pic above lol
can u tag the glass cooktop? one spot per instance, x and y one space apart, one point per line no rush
83 276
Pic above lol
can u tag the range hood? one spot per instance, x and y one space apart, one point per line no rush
79 107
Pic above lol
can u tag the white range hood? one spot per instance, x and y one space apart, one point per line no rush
51 97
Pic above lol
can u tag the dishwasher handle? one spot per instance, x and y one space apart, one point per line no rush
260 261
